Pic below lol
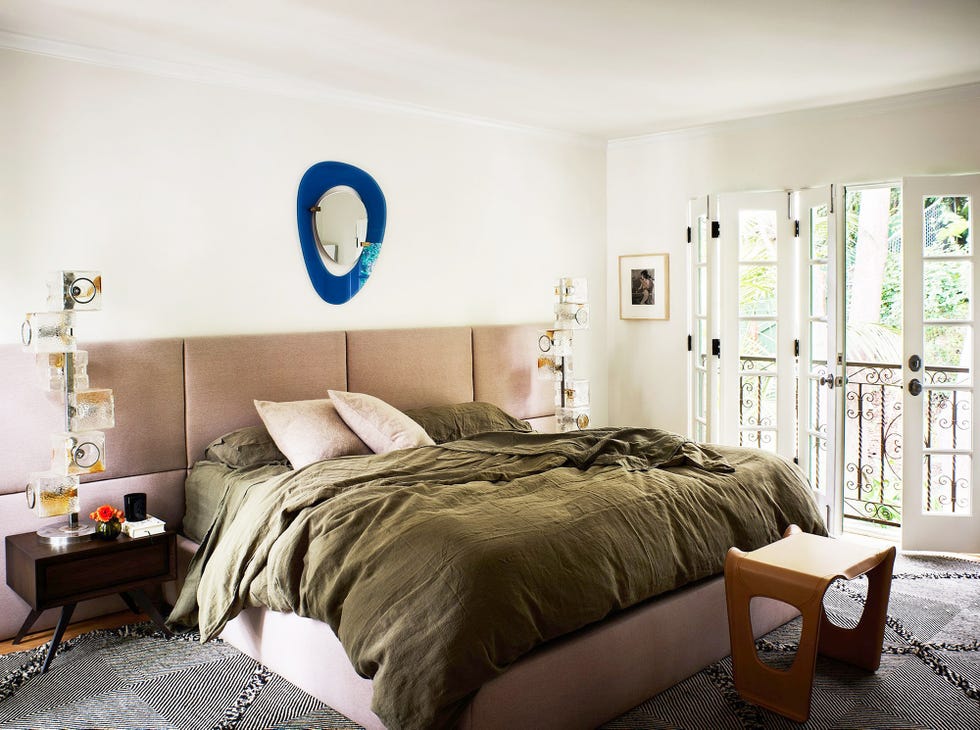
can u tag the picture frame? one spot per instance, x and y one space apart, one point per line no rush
644 286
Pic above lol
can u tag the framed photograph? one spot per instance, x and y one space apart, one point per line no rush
644 286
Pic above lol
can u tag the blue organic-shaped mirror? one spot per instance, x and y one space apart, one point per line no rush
341 212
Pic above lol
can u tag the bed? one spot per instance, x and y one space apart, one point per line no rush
205 387
577 680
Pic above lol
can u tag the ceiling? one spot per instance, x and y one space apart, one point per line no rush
602 68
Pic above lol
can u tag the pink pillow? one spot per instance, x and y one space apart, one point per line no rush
382 427
308 430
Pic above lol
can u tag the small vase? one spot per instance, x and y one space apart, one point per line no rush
108 530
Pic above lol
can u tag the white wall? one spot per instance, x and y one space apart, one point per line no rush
183 194
649 181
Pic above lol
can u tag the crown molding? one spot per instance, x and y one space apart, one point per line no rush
962 92
274 84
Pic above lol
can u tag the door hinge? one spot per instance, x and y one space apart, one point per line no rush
715 229
716 347
796 228
688 234
690 343
796 348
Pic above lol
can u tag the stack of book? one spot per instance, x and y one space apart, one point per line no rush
150 526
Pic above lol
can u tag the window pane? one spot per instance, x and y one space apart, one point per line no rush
946 482
702 234
946 289
818 344
757 339
947 419
758 404
947 353
818 232
818 290
756 290
819 403
946 226
757 235
765 440
702 291
818 463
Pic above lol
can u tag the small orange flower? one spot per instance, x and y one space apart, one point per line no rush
106 513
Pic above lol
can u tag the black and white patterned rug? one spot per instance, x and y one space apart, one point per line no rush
135 677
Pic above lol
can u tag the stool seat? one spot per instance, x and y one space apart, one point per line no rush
798 570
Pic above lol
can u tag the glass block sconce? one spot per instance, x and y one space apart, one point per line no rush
555 349
81 447
75 290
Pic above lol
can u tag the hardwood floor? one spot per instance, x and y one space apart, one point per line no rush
38 638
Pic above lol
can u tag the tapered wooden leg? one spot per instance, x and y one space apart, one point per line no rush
66 612
861 646
144 602
26 626
129 602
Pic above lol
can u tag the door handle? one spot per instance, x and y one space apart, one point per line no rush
828 380
915 387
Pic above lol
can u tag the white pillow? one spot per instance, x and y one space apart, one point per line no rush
382 427
309 430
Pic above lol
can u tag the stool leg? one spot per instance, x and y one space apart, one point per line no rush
861 646
784 691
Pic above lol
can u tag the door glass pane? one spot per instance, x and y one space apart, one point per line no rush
818 463
702 290
818 290
757 235
701 343
947 353
946 484
946 287
819 404
947 419
702 238
818 232
701 388
756 290
873 392
758 405
765 440
757 344
818 345
945 226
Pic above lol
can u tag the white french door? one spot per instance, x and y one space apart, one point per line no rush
942 275
775 367
820 367
765 369
702 389
757 321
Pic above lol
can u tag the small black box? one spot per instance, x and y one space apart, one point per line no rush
135 505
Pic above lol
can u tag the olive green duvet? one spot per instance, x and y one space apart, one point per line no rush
439 566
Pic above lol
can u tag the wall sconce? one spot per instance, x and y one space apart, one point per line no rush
80 449
555 350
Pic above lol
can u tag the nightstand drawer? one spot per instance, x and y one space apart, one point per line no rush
105 572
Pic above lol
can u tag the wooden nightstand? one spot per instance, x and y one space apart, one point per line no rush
48 576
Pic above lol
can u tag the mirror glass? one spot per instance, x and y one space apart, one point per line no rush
340 226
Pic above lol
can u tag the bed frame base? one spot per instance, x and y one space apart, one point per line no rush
579 681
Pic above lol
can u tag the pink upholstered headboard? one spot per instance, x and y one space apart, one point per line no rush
174 396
